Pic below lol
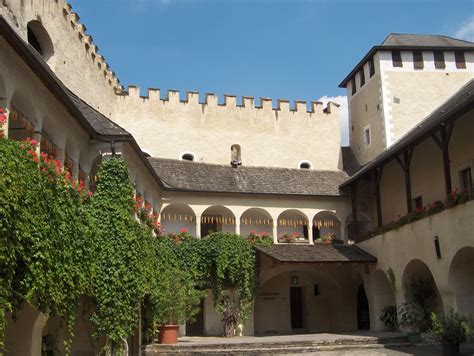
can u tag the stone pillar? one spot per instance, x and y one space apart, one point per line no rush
310 233
198 226
275 232
37 138
237 226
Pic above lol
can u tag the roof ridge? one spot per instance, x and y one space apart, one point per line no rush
244 167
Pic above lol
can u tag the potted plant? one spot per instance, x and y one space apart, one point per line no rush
412 316
175 300
451 330
388 315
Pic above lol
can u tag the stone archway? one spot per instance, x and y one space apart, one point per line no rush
292 224
461 280
256 220
326 224
383 297
217 218
419 285
22 120
178 217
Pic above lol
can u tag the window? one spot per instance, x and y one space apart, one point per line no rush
439 60
397 59
418 60
305 165
187 157
353 85
418 202
371 68
362 77
367 136
460 59
466 179
235 155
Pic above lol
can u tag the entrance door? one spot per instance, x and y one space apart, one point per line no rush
296 308
196 328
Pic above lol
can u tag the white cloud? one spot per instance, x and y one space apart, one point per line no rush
466 31
344 115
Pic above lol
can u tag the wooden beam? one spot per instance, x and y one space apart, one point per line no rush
446 131
354 209
377 178
405 164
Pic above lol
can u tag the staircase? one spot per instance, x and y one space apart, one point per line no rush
275 345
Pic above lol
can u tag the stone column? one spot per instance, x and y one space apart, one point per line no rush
275 232
310 233
237 226
198 226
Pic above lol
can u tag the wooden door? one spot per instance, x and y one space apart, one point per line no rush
296 307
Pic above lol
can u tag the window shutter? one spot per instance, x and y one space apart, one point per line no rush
371 67
418 60
460 59
397 59
439 60
353 85
362 77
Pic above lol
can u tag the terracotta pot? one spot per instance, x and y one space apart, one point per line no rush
450 349
168 334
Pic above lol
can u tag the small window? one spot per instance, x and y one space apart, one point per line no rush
362 77
235 155
418 202
39 39
466 179
439 60
187 157
371 68
305 165
460 59
353 85
418 60
397 59
367 136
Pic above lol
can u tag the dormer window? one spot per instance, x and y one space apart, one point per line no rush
187 157
305 165
235 155
39 39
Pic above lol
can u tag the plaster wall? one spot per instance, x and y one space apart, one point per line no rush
168 128
397 248
76 60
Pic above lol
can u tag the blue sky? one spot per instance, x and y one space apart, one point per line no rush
294 49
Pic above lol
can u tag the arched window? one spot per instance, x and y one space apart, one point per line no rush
305 165
39 39
187 157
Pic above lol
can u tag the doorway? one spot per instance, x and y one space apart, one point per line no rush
296 307
196 327
363 318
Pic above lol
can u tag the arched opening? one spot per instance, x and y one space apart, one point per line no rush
383 301
93 173
305 165
53 336
39 39
256 220
292 226
84 342
420 287
299 300
176 218
188 157
460 280
363 316
22 119
364 225
327 227
215 219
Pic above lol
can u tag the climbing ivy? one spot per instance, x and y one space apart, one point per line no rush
44 249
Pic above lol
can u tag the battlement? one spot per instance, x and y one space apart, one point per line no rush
90 49
211 100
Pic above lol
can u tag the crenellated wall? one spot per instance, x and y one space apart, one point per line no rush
274 137
76 60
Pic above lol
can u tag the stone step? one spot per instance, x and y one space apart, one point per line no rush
267 351
256 347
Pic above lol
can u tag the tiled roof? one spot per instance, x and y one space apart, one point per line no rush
204 177
316 253
349 161
412 40
101 124
461 101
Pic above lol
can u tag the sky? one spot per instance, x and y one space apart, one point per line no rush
293 49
